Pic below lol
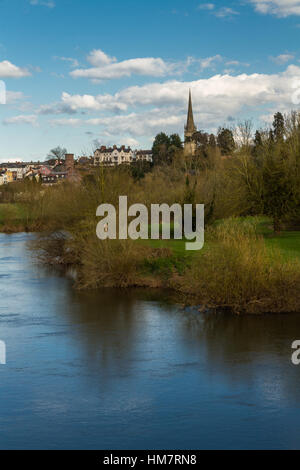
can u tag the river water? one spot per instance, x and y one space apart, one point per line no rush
130 370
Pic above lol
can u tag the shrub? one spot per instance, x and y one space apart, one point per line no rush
237 271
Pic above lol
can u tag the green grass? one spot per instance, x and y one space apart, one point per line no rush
12 217
287 242
12 212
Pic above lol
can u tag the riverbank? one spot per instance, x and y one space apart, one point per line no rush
244 266
239 269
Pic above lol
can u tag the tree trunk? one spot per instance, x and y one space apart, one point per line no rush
276 225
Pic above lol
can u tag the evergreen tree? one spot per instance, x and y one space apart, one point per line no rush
226 141
258 147
258 139
160 148
175 141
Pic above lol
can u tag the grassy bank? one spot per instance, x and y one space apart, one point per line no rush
244 266
242 271
239 269
13 218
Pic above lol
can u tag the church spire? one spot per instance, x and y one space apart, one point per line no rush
190 145
190 125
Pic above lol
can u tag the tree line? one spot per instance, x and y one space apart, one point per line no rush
256 172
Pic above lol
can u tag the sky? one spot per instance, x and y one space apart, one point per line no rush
86 73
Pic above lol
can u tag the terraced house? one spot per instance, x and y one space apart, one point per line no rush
113 156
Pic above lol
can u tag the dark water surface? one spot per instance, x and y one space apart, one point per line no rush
129 370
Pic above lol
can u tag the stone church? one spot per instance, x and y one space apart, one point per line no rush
189 131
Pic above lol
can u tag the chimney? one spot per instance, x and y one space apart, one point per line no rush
69 161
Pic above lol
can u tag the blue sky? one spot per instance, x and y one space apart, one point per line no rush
81 73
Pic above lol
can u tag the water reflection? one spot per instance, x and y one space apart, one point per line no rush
131 369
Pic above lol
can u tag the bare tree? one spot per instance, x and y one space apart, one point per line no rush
245 134
57 153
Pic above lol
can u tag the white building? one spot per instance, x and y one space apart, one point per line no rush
113 156
20 171
3 179
144 156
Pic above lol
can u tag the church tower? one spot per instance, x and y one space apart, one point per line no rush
189 130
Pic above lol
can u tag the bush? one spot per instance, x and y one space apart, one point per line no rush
237 271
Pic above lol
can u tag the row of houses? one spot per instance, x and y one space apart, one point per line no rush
50 172
54 171
113 156
10 172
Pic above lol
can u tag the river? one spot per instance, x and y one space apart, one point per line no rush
119 369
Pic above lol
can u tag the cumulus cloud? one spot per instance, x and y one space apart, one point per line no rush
145 110
98 58
281 8
21 119
130 125
106 67
241 89
94 103
9 70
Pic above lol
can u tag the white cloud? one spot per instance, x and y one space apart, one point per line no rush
209 61
244 88
70 60
105 67
98 58
9 70
206 6
22 119
90 102
13 96
56 108
44 3
73 122
236 63
145 110
225 12
281 8
130 142
282 59
130 125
